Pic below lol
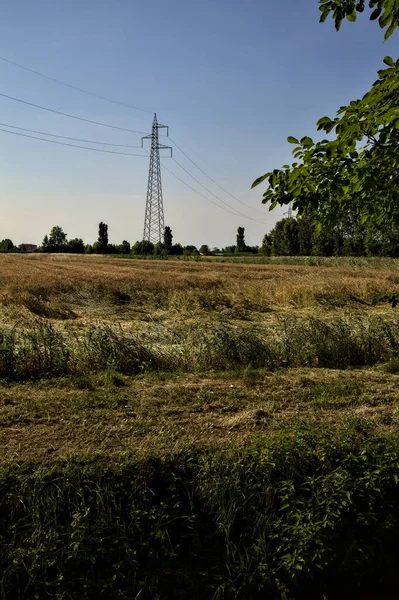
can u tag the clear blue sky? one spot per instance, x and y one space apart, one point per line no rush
232 79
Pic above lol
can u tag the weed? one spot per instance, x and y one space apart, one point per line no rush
274 519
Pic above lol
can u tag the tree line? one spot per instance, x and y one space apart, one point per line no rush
348 237
57 241
289 237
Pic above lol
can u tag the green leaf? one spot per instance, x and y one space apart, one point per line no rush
324 15
259 180
307 141
384 19
351 17
389 61
389 31
375 14
379 298
292 140
323 122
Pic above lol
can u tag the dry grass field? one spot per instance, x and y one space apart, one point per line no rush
90 287
117 357
199 429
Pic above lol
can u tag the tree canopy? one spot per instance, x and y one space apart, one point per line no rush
56 241
241 246
386 11
102 242
168 238
359 163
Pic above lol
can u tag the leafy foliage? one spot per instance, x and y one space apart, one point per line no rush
56 241
240 246
205 250
391 297
176 250
348 237
168 238
102 244
6 245
124 247
143 247
360 165
386 11
76 246
298 515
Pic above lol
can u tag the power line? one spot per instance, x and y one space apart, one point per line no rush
71 116
64 137
194 190
73 87
204 162
213 181
33 137
202 195
236 212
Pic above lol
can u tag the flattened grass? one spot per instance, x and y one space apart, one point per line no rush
86 287
113 417
112 358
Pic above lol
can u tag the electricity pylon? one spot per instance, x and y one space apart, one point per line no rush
289 211
154 224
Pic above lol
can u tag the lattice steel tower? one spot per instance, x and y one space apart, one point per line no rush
154 224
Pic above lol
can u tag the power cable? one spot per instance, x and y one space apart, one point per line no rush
33 137
204 161
64 137
236 212
73 87
71 116
213 181
190 187
202 195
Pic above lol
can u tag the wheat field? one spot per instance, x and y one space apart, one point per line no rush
114 357
65 286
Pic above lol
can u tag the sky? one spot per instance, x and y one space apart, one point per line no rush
231 78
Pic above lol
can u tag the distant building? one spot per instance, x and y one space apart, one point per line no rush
27 247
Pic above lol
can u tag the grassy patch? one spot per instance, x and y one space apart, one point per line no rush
197 429
297 515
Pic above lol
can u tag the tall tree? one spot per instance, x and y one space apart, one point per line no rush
305 233
168 239
143 247
382 240
102 238
124 248
6 245
267 245
76 246
240 245
56 241
204 250
284 238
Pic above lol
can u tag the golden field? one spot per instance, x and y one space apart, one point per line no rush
83 287
113 357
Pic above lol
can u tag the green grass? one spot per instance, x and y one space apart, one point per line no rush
45 351
306 513
193 429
